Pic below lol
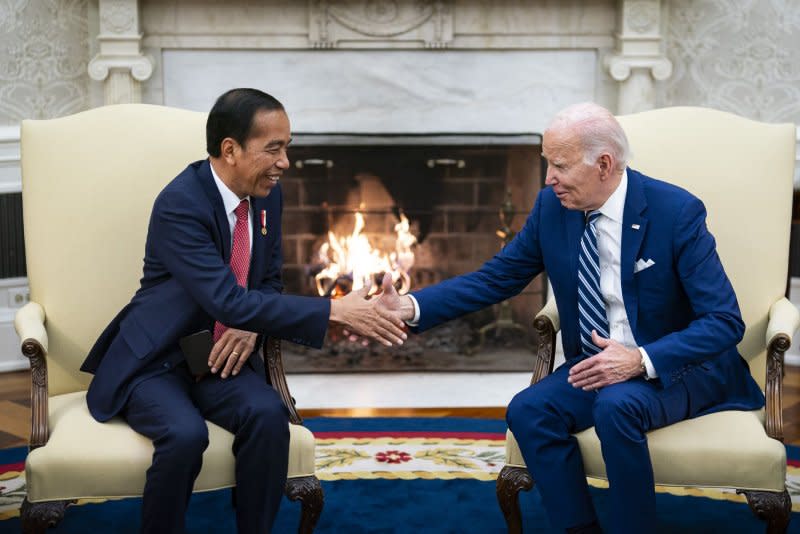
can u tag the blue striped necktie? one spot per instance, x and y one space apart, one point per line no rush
591 307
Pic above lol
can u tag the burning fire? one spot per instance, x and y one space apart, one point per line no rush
349 262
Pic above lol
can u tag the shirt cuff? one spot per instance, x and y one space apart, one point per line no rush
648 364
414 321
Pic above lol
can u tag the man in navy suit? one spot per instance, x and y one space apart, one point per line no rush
212 262
660 296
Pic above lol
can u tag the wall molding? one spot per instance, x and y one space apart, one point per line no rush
10 175
13 295
10 182
797 159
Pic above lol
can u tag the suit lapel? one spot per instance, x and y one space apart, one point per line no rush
574 221
634 227
211 191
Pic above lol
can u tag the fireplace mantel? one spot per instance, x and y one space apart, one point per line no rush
623 39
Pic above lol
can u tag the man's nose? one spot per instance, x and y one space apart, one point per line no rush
283 162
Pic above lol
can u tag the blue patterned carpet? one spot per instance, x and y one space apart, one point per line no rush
429 505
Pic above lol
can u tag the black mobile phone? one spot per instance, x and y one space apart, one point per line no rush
196 348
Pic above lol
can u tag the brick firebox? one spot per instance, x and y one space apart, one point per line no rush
450 187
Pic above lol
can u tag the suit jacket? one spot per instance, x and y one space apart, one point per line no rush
187 284
682 309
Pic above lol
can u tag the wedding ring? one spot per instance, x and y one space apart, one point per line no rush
234 353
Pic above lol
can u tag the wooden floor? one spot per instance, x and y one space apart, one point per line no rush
15 409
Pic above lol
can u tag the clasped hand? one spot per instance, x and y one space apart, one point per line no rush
615 363
373 318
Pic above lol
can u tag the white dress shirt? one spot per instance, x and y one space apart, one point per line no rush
609 246
231 201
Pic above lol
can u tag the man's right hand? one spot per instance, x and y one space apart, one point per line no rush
368 318
392 302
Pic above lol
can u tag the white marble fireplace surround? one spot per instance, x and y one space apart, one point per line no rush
392 91
363 60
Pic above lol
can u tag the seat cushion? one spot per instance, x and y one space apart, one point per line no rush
726 449
87 459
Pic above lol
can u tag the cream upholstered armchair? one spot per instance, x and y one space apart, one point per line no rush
742 170
88 184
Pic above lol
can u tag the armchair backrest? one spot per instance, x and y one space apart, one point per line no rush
88 185
743 171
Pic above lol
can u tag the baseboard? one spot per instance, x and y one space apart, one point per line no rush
8 367
792 359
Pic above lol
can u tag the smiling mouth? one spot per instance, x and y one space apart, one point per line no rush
274 178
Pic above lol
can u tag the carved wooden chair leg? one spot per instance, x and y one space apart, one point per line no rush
37 517
773 507
308 491
510 482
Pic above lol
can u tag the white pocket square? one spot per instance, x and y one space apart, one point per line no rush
641 265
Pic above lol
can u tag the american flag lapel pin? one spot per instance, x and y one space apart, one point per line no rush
263 222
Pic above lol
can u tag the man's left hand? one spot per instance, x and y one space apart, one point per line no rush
231 350
616 363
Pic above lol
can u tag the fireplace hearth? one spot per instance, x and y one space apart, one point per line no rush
460 195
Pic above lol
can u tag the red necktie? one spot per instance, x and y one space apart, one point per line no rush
240 254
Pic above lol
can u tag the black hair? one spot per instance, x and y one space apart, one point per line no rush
232 116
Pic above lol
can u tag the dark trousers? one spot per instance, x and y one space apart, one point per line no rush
543 417
171 410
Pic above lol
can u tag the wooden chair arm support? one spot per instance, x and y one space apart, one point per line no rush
774 385
29 324
277 377
546 348
784 319
40 430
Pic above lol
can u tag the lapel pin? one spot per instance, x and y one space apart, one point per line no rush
263 222
635 226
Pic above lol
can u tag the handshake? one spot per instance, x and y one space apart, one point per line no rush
380 317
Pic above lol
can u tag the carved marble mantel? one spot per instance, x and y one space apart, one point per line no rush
639 60
128 41
120 64
333 24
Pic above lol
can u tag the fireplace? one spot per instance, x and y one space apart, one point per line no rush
471 68
459 195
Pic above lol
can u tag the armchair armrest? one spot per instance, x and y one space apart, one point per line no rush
29 324
546 323
277 377
550 311
784 319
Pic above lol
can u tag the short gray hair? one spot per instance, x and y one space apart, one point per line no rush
598 131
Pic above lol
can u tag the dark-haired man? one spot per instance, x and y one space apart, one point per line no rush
212 262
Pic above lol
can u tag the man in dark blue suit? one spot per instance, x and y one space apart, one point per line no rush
212 262
649 319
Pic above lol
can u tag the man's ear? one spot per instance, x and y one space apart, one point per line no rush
606 165
228 149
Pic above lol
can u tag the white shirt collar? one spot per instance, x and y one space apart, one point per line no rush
229 199
614 207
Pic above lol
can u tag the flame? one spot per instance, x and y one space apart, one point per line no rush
353 258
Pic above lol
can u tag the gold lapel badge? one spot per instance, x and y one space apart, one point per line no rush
263 222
